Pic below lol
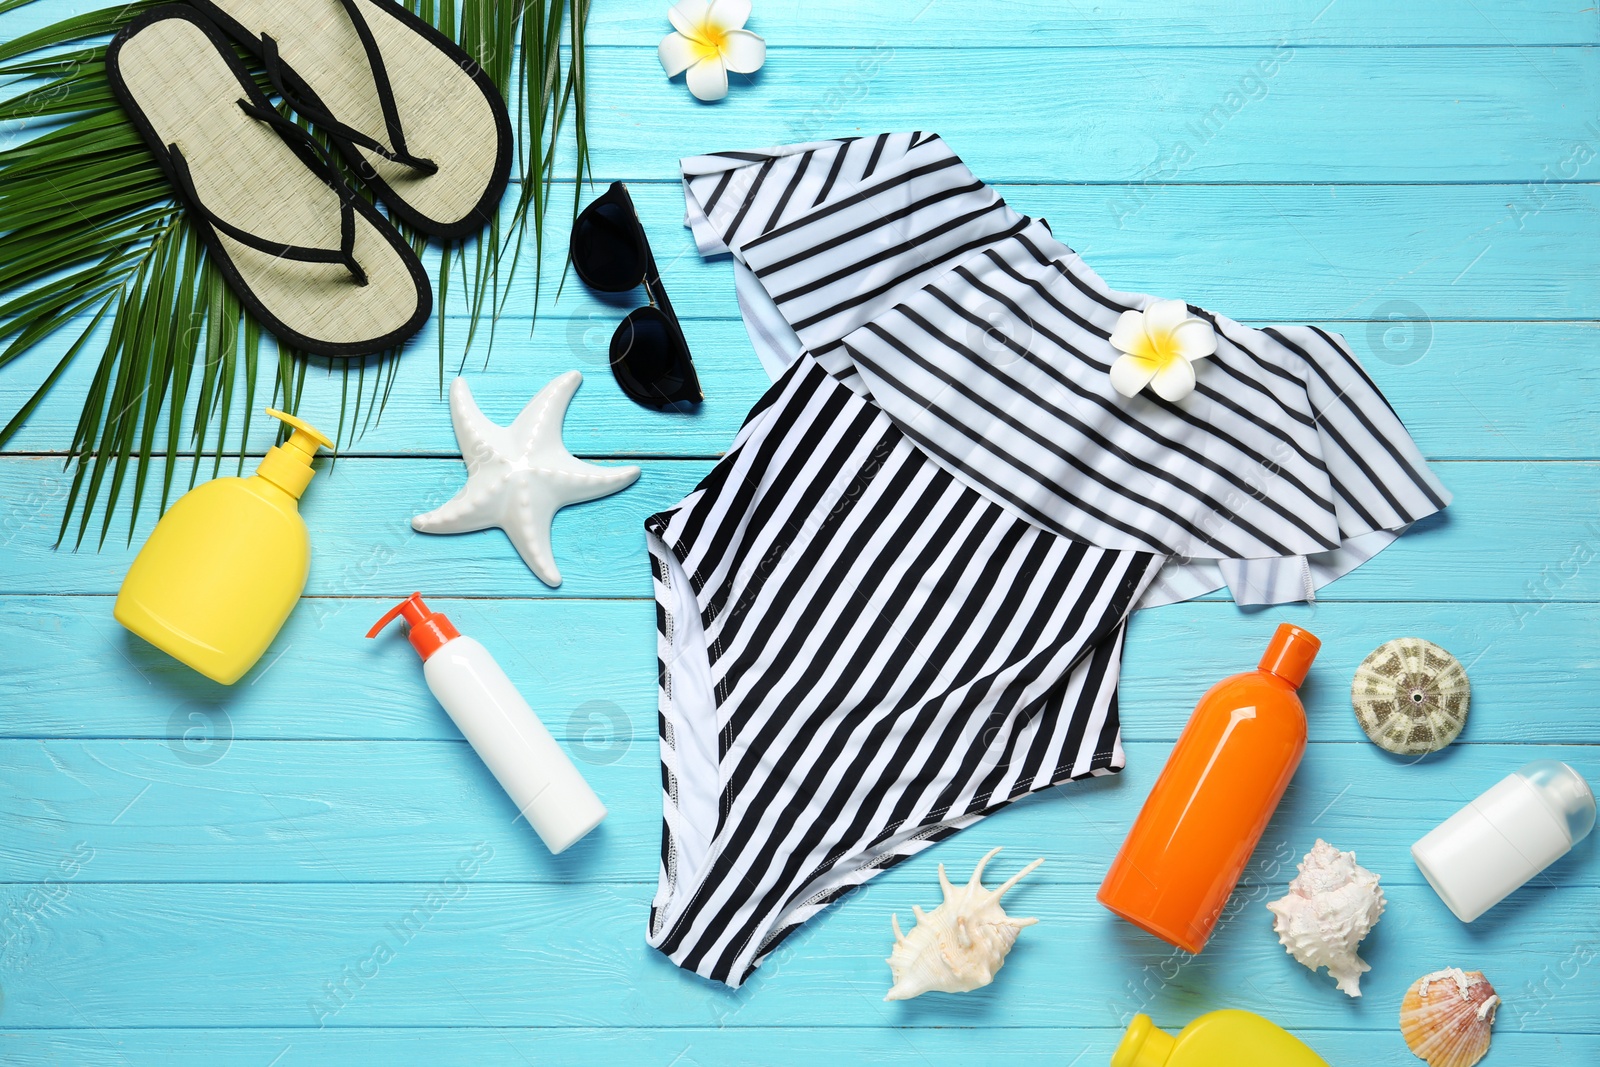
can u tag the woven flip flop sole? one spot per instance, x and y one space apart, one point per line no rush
180 83
448 107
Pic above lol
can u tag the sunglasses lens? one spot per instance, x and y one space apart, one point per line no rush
606 250
650 360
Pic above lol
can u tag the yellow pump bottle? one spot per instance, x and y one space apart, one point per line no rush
226 563
1217 1039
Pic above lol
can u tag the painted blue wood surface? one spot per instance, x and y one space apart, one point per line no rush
186 870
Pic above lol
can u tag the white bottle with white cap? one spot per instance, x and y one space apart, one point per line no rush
527 762
1497 843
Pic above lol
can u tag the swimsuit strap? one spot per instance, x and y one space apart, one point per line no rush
380 76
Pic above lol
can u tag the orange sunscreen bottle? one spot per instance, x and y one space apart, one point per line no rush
1214 798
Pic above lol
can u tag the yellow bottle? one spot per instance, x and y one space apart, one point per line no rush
1218 1039
226 563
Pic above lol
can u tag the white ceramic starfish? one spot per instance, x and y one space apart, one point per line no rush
519 476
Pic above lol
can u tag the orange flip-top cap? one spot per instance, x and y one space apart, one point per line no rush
429 629
1290 652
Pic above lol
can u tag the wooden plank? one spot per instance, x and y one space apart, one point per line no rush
1257 253
209 810
600 544
1039 24
499 955
1274 112
588 668
917 1043
1464 389
1517 531
1264 114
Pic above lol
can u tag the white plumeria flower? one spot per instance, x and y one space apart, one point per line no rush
711 40
1158 346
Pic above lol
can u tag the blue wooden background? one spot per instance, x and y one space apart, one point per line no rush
200 875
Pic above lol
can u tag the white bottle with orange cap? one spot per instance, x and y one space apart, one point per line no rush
509 738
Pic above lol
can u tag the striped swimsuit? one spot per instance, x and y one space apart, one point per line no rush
899 601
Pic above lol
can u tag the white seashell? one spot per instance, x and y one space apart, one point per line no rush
959 945
1332 904
1411 696
1447 1015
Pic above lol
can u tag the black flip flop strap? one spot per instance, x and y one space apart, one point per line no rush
344 255
317 156
380 77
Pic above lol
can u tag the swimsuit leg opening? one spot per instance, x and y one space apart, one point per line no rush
691 774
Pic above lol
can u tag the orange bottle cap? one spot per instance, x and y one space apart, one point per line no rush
1290 652
429 629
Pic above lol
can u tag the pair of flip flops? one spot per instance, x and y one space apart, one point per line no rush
415 118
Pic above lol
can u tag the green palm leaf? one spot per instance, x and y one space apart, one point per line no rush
92 241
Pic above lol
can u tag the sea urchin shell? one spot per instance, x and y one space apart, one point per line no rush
1411 696
1447 1015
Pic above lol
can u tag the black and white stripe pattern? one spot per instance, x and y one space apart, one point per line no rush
899 601
897 210
988 341
887 653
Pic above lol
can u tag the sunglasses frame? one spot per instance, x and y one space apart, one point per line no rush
658 309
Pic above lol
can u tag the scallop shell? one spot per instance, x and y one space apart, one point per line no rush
959 945
1411 696
1447 1015
1332 904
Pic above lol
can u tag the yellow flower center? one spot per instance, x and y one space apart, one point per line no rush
709 40
1160 348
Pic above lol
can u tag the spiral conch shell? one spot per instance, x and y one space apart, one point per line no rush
959 945
1447 1015
1332 904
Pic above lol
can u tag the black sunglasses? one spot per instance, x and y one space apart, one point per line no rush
649 356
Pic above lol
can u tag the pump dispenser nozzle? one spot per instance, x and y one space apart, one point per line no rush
288 466
429 629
